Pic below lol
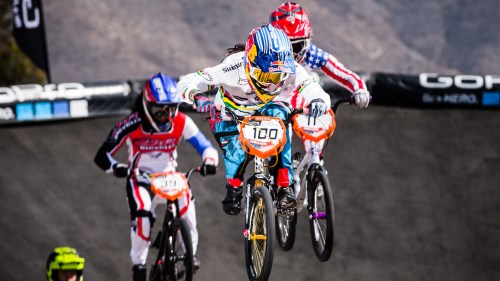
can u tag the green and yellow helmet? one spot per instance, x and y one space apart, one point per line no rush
64 258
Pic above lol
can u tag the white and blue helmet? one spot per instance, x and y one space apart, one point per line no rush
161 102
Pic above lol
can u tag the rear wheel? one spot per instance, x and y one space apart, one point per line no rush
181 252
285 230
259 248
321 214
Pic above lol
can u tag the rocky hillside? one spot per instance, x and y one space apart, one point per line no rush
127 39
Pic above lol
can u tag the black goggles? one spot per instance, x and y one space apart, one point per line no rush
299 47
160 110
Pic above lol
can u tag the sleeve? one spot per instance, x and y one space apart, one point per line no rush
197 139
114 141
193 83
308 89
317 58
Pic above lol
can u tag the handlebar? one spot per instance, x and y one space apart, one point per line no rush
140 173
191 171
349 100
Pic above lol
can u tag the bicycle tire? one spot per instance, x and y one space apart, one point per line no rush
157 268
259 245
321 214
285 231
181 252
159 272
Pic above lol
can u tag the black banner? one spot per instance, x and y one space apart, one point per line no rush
29 31
429 90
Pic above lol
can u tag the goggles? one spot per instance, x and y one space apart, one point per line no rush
267 77
161 110
299 47
268 82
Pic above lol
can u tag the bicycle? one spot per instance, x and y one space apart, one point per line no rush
311 185
264 138
174 260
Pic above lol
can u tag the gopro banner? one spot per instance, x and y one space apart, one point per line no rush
429 90
22 103
29 31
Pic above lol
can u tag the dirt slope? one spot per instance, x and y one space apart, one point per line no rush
416 197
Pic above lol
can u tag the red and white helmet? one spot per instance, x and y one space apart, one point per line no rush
294 21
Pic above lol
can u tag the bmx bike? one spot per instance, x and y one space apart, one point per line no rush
174 260
311 185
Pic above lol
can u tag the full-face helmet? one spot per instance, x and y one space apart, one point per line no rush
160 101
268 61
293 20
64 259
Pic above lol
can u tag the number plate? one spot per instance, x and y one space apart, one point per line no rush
314 129
262 136
169 185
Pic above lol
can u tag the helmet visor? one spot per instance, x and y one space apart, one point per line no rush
162 113
268 79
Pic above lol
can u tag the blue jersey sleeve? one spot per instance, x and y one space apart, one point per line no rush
200 142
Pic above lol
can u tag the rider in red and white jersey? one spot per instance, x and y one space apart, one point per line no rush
152 133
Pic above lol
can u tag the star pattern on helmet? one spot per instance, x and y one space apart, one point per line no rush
315 57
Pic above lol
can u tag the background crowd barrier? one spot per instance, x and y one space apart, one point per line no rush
33 102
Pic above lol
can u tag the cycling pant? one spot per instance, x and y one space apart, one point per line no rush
236 159
142 204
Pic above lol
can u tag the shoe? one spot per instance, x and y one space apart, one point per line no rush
139 272
286 198
232 202
196 264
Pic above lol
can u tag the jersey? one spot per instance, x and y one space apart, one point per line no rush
316 58
235 93
149 150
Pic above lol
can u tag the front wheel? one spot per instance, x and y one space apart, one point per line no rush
181 255
259 249
321 214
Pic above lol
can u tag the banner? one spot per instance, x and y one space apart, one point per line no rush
430 90
29 32
33 102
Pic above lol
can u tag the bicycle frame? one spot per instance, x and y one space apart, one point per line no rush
299 177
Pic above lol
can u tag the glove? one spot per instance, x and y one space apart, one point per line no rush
120 170
208 167
362 98
203 103
316 107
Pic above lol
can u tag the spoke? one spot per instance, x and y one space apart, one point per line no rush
259 236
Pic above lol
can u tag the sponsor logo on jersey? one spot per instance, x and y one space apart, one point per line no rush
150 144
205 76
232 67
